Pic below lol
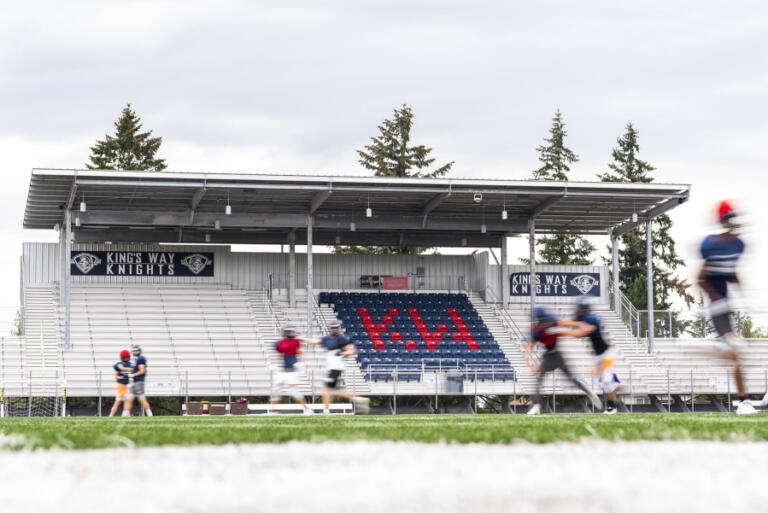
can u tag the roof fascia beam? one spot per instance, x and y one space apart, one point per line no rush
658 210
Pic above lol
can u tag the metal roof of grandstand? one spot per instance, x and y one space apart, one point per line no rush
132 206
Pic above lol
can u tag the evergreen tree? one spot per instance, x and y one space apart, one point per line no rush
626 167
129 149
389 154
562 248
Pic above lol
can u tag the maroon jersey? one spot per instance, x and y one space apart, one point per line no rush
545 336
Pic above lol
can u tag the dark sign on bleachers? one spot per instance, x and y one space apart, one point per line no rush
556 284
141 263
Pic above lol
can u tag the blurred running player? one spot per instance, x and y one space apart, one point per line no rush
138 376
122 372
587 324
287 380
339 346
721 254
546 332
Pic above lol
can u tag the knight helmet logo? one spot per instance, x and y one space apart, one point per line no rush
584 283
86 262
195 263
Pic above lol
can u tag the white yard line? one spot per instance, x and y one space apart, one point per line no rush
391 477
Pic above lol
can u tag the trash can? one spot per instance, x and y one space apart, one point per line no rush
454 382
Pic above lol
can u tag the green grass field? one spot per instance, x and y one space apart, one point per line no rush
92 433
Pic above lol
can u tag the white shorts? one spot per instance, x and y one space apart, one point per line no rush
286 379
727 344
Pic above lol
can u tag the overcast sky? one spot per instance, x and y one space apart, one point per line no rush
297 87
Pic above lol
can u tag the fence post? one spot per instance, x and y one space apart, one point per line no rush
186 384
475 390
554 393
728 382
29 405
631 393
394 391
99 388
692 394
436 380
669 394
229 378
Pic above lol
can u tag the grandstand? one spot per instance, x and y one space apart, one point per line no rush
148 262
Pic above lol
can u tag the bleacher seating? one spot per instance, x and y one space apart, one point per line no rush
413 332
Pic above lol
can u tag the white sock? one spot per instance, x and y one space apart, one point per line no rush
148 413
126 413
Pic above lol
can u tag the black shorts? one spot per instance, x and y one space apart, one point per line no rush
722 323
332 380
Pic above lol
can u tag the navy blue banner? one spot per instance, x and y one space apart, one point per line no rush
555 284
140 263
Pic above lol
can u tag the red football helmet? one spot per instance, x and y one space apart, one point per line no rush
726 212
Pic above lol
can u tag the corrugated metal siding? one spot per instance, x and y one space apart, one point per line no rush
495 284
252 270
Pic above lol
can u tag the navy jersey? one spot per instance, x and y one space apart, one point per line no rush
721 255
335 344
545 336
140 360
599 345
289 350
123 370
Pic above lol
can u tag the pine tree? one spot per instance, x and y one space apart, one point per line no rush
627 167
389 154
129 149
563 248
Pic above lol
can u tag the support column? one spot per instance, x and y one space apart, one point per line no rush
504 273
649 278
67 275
615 277
309 275
291 268
532 264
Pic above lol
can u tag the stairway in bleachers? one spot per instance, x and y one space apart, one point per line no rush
272 313
200 340
41 348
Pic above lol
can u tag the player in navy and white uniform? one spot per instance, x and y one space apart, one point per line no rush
339 346
122 370
138 376
546 332
721 253
588 324
286 381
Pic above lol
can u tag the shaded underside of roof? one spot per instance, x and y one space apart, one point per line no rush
183 207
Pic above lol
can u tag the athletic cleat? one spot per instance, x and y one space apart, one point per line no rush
764 402
745 408
270 412
535 410
611 411
362 405
326 412
308 411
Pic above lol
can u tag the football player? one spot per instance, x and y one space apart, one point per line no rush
587 324
339 346
138 377
721 254
546 332
122 377
287 380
